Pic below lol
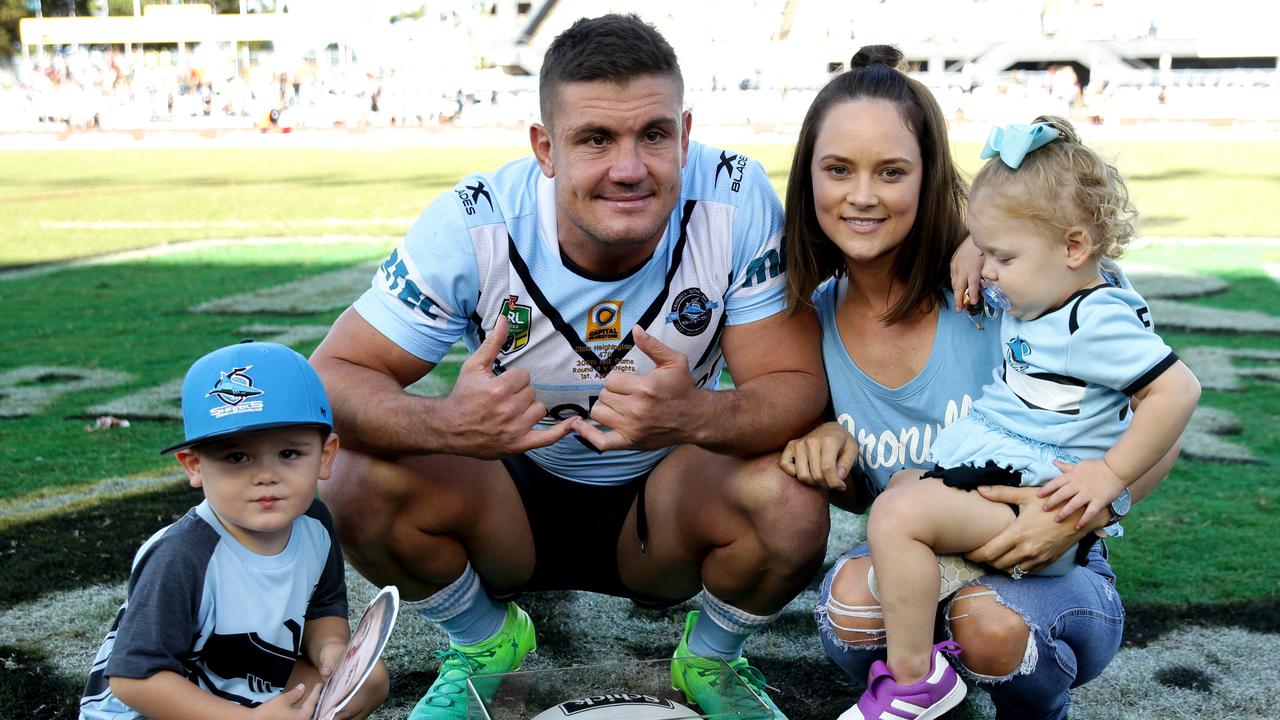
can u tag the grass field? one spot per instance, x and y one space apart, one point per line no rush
61 205
274 243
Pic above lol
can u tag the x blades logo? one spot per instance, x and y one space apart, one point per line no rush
479 190
734 166
235 387
725 164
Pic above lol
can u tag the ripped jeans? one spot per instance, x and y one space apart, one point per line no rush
1076 622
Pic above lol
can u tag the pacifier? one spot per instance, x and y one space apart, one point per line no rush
994 297
991 301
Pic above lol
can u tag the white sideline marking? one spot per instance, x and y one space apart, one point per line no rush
44 502
167 249
201 224
387 241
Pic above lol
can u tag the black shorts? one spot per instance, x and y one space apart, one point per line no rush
969 477
576 527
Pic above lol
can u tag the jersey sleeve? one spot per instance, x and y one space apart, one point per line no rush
1115 344
759 282
423 295
330 596
158 624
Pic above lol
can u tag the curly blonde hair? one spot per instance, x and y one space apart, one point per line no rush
1065 184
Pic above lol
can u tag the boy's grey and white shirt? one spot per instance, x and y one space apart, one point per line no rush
202 605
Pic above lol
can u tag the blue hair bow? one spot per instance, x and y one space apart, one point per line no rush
1012 142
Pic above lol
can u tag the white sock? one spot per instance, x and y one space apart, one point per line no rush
463 610
722 629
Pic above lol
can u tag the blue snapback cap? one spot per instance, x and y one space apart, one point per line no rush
247 387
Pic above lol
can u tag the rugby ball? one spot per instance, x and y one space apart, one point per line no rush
617 706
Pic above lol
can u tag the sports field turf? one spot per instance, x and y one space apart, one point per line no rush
113 337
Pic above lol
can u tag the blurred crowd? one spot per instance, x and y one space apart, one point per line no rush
82 88
96 89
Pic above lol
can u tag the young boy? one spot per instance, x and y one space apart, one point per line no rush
240 605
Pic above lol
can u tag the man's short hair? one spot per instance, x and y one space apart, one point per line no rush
617 48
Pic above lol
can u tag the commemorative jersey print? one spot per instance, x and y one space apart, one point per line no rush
692 312
489 248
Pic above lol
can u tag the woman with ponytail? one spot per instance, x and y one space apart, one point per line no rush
874 216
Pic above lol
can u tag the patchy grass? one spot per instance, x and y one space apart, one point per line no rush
134 318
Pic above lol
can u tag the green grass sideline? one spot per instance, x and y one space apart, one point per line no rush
1183 189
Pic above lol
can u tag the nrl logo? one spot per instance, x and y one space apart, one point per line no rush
518 322
234 387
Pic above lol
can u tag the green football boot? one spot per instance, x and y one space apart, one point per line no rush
447 697
700 678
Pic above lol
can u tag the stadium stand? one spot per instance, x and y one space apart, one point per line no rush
754 62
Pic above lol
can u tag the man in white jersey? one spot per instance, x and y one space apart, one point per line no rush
601 286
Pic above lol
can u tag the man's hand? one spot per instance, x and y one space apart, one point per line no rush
295 704
823 458
1089 484
491 416
966 274
1035 538
645 411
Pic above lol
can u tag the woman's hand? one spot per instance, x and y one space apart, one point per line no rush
1034 539
966 274
823 458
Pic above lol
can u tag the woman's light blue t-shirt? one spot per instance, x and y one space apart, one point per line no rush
894 427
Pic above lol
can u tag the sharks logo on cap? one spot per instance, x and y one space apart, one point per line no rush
235 387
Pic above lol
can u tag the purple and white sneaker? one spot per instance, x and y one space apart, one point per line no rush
885 699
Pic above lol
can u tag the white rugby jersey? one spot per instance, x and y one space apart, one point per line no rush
1067 377
204 606
490 246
